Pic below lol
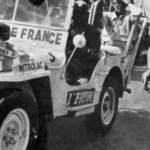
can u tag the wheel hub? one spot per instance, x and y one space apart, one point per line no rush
15 130
107 106
11 137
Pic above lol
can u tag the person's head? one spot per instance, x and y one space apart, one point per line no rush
132 1
119 6
10 3
106 3
6 5
80 13
64 3
80 7
87 1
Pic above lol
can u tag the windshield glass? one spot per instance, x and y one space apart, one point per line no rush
7 9
50 13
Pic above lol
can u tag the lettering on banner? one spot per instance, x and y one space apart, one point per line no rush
14 32
79 98
51 37
28 67
5 52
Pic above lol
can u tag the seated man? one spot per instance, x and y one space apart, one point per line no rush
117 26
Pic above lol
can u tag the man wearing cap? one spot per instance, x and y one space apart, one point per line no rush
117 27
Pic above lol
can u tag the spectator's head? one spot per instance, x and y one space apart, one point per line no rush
10 3
119 6
7 7
132 1
7 3
106 3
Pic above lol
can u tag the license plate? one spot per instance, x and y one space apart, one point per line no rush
79 98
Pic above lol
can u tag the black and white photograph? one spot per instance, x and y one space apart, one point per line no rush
74 75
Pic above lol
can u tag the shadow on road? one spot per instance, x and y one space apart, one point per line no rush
131 131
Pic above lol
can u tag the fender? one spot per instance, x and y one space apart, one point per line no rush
23 86
109 66
38 89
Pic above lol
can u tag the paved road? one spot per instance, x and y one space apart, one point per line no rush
131 130
138 99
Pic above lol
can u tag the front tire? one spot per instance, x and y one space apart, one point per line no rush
105 112
18 121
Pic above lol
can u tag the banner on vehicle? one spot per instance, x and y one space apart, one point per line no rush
80 97
28 67
6 50
43 37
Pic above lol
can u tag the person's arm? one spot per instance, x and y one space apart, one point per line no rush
134 10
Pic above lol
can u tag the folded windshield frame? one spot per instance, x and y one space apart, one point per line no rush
51 14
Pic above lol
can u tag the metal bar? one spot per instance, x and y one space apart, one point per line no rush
131 61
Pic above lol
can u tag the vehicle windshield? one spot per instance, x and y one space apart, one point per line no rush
50 13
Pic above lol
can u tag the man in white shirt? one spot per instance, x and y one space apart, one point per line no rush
117 26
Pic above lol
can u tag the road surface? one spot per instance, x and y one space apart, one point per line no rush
131 130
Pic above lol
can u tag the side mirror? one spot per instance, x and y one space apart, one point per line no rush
79 41
36 2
